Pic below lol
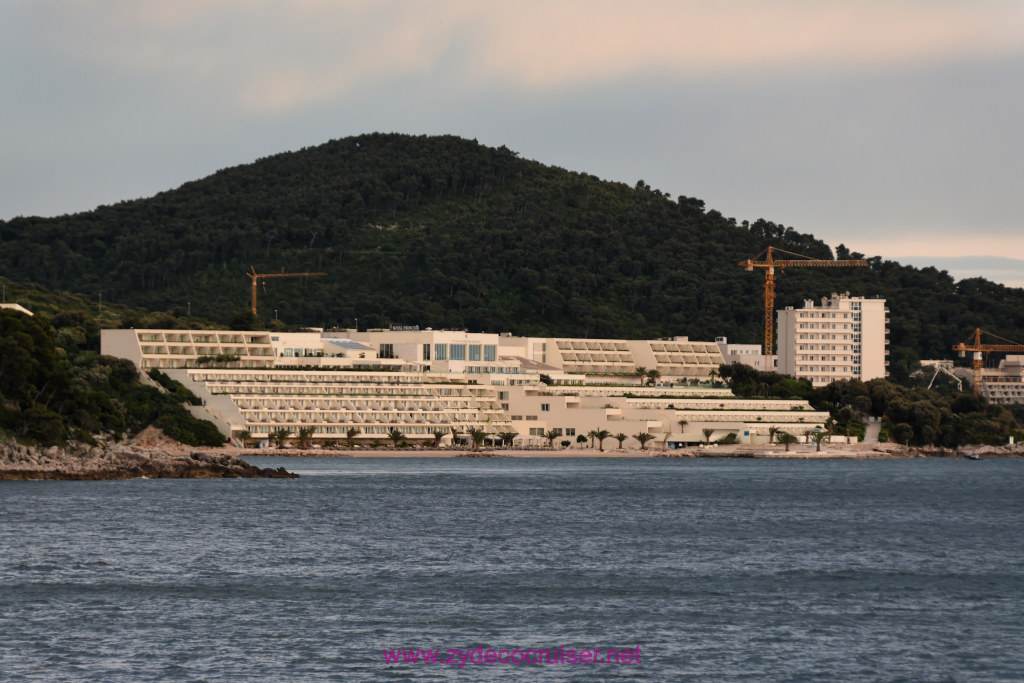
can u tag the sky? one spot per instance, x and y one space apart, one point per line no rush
893 127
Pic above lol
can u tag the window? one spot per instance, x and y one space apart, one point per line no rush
386 351
536 431
545 407
456 352
490 352
426 352
570 431
440 352
474 352
502 395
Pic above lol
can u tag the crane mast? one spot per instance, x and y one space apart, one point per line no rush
262 277
767 261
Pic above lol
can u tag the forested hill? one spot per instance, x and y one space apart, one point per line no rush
444 232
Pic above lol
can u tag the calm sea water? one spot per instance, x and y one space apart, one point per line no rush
718 570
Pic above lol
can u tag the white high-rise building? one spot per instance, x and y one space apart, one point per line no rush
843 338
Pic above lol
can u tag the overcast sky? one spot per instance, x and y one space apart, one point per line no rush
895 127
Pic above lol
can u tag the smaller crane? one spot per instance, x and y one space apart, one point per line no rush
262 277
979 350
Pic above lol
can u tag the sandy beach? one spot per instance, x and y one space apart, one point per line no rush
797 452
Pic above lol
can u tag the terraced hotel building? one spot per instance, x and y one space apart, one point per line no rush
428 382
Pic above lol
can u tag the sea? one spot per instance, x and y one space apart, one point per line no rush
521 569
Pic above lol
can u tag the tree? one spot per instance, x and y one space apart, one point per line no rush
786 439
819 436
682 425
455 435
306 436
643 438
350 435
707 435
601 436
772 432
396 436
903 433
581 439
438 435
592 434
620 437
551 435
477 435
652 377
244 436
279 436
508 438
641 372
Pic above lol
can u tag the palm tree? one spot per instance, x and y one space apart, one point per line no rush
551 435
620 437
396 436
592 434
601 436
508 438
279 436
455 435
244 436
772 432
652 377
682 426
438 435
305 436
643 438
641 372
477 435
785 438
707 435
350 435
820 436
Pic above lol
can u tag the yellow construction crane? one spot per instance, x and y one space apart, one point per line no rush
979 350
262 277
766 259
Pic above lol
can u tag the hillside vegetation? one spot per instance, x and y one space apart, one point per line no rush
444 232
54 386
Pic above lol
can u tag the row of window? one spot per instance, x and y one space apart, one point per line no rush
487 352
539 431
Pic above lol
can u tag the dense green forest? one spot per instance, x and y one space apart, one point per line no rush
55 386
445 232
911 415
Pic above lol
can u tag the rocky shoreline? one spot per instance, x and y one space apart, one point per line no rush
123 461
849 451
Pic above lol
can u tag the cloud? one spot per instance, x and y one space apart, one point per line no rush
271 56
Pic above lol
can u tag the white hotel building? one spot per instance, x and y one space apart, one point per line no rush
422 382
842 338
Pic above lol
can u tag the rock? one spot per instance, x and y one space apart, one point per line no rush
122 461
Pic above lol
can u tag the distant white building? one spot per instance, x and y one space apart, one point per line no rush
842 338
747 354
1005 384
